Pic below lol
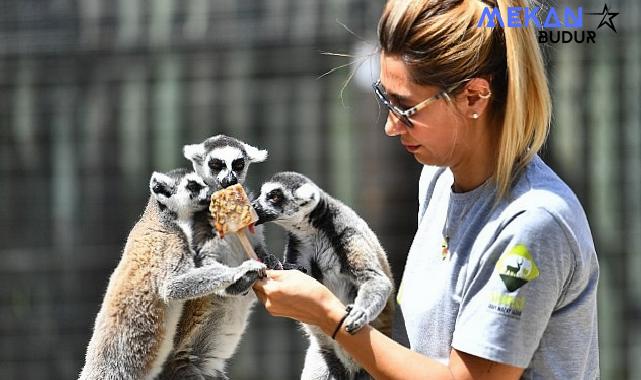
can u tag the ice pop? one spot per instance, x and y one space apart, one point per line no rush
232 212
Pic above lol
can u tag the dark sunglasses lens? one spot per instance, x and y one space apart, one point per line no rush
380 94
404 119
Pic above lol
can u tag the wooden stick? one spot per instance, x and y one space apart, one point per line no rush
244 241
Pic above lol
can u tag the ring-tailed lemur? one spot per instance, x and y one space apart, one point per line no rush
135 327
339 249
222 161
211 327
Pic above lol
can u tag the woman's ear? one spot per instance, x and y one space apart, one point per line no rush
477 97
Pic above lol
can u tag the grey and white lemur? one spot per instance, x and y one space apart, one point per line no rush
211 327
135 327
222 161
339 249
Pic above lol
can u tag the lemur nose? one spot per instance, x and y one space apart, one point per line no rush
229 180
259 211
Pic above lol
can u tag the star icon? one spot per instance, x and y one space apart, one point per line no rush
607 18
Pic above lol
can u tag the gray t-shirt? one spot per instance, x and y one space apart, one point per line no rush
515 283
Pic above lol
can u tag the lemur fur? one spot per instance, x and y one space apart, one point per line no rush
135 327
212 326
339 249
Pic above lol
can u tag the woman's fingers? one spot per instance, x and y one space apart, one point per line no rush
259 289
276 274
259 293
265 288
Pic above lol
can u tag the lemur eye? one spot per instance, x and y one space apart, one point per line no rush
193 186
216 164
238 165
275 196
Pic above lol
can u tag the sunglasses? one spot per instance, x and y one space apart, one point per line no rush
404 114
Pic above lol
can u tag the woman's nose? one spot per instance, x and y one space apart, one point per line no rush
394 126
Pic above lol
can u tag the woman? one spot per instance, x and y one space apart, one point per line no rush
500 281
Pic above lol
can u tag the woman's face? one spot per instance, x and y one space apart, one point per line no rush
437 128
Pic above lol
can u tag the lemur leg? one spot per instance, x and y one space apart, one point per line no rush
213 278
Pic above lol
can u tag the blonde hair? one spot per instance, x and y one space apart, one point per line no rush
442 45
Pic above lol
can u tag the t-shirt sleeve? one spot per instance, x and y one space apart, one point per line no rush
514 288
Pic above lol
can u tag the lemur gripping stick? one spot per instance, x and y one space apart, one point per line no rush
232 212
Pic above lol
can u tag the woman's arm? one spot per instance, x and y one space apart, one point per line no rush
295 295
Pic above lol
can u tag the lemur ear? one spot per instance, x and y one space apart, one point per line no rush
194 152
160 184
255 154
307 192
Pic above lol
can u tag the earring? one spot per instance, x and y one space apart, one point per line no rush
486 96
475 115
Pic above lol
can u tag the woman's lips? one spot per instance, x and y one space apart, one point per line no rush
411 148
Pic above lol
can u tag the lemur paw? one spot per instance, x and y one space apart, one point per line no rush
290 266
356 319
272 262
251 266
248 273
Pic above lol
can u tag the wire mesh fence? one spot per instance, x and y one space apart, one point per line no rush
96 95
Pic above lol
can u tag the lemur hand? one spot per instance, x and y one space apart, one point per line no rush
356 319
290 266
248 272
293 294
271 261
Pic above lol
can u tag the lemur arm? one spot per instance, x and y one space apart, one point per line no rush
292 254
212 278
373 286
270 260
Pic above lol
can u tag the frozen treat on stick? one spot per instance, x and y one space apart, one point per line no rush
232 212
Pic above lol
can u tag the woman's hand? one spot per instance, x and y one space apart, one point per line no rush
296 295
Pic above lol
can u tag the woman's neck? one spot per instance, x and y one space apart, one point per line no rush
479 161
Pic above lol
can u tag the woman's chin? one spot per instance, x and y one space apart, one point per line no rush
425 159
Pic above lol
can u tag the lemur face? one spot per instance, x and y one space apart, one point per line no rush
286 199
223 161
180 190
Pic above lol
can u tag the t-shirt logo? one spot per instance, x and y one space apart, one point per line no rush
516 267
